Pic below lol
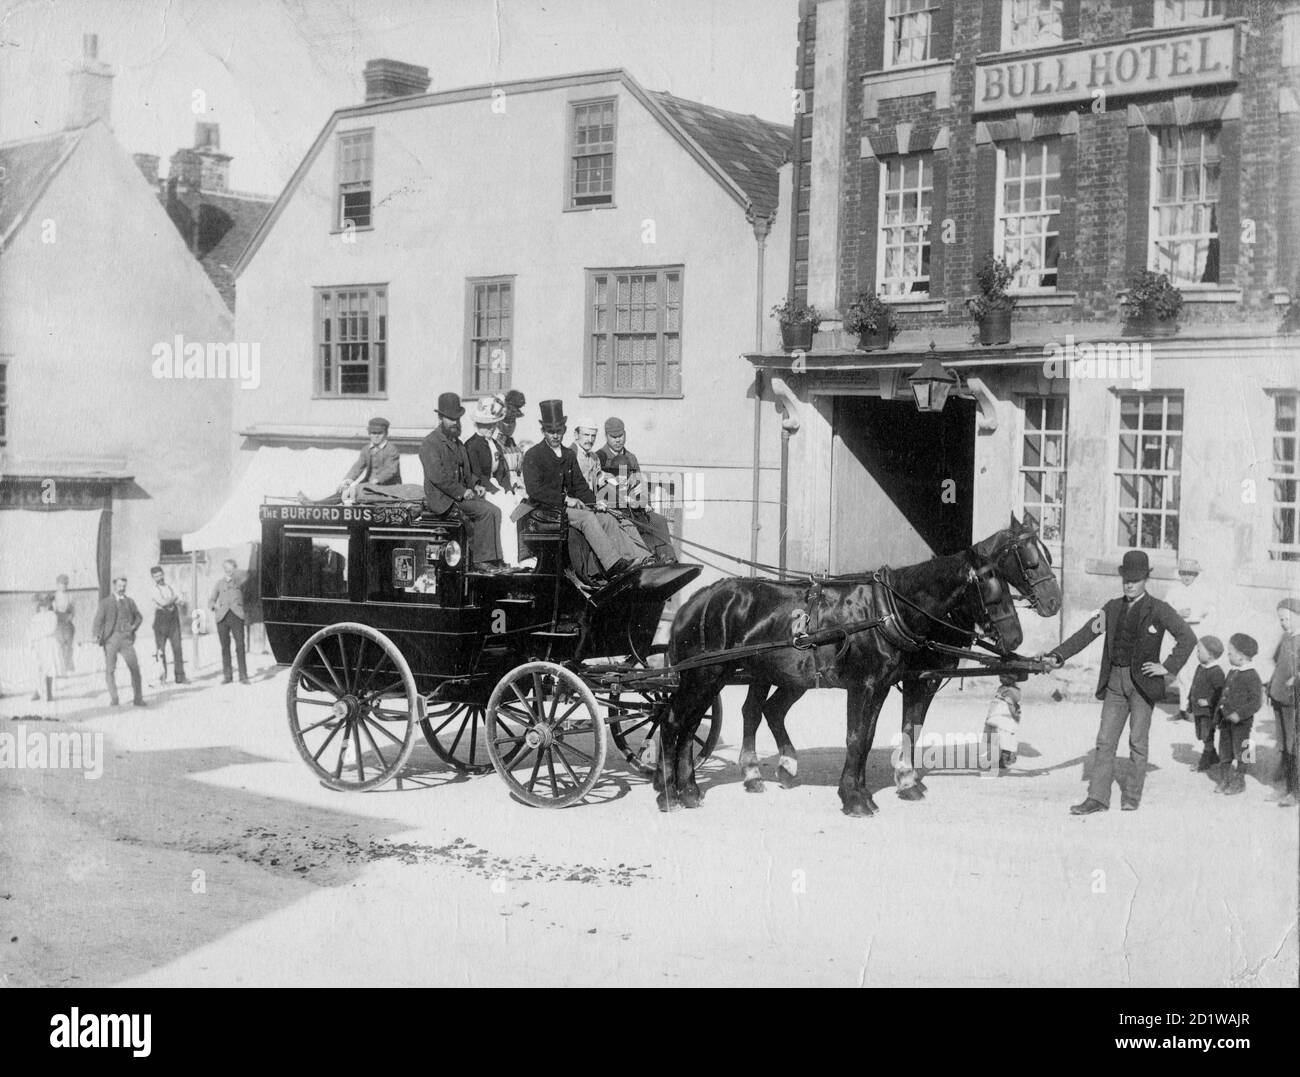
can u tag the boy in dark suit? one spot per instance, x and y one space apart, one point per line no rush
1243 695
1203 697
1132 678
114 628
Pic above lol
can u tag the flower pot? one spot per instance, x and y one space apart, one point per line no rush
795 337
877 341
1148 325
995 327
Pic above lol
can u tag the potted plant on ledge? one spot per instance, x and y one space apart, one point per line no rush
992 308
872 320
798 322
1151 306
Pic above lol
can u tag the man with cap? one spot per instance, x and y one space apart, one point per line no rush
1191 601
1132 677
584 445
622 484
377 464
449 481
554 479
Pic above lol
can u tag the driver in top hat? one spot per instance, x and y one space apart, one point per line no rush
449 480
1132 677
553 478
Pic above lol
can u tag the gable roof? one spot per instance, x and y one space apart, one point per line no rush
237 219
738 151
748 149
26 169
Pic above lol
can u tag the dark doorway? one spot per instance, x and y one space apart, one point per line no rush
903 483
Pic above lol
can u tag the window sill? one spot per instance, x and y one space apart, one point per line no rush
1273 574
920 305
1163 566
909 69
354 228
588 209
1045 299
349 396
630 396
1203 293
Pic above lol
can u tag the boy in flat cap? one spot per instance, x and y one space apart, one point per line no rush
377 464
1203 697
1132 677
1243 695
1284 693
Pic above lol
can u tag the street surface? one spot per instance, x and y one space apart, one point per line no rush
206 854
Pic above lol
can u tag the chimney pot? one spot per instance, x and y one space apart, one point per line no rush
392 78
90 95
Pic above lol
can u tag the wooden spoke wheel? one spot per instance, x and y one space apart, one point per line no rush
548 737
352 707
637 734
456 734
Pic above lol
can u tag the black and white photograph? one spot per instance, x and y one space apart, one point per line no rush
651 493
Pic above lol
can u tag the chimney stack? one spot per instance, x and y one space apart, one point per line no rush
392 78
147 163
90 87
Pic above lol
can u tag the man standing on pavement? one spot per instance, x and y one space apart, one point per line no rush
227 605
1191 601
1132 677
447 479
166 626
114 628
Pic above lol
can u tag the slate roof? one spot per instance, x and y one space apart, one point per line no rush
748 149
26 168
226 222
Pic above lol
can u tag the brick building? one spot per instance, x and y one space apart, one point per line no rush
1083 140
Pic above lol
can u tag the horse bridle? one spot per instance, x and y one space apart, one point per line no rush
1029 559
983 578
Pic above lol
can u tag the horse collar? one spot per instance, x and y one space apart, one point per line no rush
892 625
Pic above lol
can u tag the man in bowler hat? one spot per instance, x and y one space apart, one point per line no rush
1132 677
449 480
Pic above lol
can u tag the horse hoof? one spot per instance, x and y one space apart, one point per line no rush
692 800
912 792
787 780
754 785
666 805
859 809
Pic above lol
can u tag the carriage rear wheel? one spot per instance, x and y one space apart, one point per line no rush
548 737
636 735
456 734
352 707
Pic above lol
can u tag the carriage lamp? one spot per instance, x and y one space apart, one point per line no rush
451 553
931 383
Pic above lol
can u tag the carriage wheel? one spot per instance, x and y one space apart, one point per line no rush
456 734
637 735
548 737
352 707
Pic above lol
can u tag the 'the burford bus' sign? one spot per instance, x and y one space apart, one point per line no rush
1149 65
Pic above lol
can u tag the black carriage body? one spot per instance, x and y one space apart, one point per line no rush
396 571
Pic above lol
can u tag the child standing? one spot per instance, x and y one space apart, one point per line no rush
1002 722
1283 692
1203 697
1243 694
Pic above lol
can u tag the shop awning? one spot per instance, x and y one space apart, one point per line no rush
276 472
41 545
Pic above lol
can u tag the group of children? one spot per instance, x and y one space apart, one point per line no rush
1220 703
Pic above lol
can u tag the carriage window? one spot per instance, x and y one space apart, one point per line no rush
315 565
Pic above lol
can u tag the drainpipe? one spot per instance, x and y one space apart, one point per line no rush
762 227
789 403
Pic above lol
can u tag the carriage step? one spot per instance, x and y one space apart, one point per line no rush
555 635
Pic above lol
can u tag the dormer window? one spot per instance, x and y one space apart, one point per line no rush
591 153
355 179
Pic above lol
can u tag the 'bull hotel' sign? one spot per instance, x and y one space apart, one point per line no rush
1152 65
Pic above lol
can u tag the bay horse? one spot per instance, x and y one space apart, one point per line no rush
1020 558
764 617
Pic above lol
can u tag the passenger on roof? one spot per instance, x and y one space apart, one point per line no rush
488 464
449 482
584 444
623 486
376 465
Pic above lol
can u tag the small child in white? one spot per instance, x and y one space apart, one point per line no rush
1002 722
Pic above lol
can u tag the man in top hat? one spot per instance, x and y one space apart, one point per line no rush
1191 601
554 479
378 463
449 480
1132 677
623 486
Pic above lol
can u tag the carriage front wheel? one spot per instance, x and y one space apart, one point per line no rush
352 707
546 736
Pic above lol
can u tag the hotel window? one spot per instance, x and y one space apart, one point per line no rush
1031 24
591 155
1176 12
352 341
4 402
634 332
1149 471
491 329
1043 466
909 27
1029 211
1284 540
355 176
906 194
1185 207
